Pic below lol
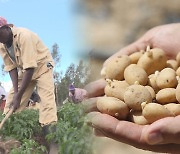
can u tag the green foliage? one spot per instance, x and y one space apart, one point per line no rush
23 125
73 134
29 147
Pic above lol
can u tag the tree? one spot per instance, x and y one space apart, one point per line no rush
76 75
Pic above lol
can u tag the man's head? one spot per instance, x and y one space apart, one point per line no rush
72 89
5 32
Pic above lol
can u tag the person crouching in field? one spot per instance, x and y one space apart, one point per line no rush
77 95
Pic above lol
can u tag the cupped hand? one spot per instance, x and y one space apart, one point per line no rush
161 136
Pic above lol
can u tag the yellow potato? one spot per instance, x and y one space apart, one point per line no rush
152 82
135 56
134 73
166 95
173 108
153 112
153 60
178 71
172 64
167 79
115 68
178 93
152 92
138 118
116 88
135 95
178 58
113 107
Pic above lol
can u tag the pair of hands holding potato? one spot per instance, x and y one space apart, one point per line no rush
162 135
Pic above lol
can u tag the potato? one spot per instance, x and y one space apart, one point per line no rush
138 118
152 81
116 88
166 95
135 95
172 64
178 71
135 56
178 58
134 73
173 108
152 92
167 78
115 68
178 93
113 107
153 60
153 112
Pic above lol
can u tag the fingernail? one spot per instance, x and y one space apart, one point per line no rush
155 138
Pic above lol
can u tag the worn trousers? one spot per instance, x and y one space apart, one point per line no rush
45 88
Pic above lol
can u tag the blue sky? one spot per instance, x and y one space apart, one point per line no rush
52 20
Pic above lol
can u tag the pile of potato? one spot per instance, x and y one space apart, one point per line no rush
142 87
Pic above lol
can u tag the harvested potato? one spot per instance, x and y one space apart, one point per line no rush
152 92
166 95
113 107
115 68
116 88
178 93
138 118
135 95
134 73
172 64
153 112
152 81
178 58
153 60
178 72
135 56
167 78
173 108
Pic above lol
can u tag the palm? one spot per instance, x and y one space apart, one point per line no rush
137 135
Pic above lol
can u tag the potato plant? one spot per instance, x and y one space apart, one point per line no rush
73 135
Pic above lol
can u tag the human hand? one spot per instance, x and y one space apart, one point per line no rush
167 38
16 102
161 136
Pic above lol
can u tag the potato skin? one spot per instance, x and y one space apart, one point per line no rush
152 82
178 58
173 108
113 106
178 71
153 112
178 93
135 95
167 95
167 79
153 60
115 68
135 73
116 89
136 56
138 118
172 64
152 92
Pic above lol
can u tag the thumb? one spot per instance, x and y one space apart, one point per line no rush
163 131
